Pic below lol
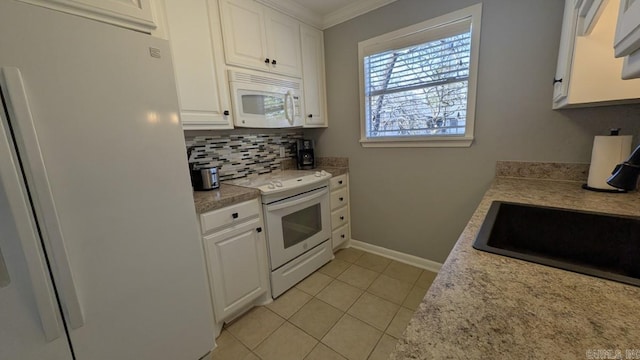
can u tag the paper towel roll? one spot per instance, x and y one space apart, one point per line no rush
608 151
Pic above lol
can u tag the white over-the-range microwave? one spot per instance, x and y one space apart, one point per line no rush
262 100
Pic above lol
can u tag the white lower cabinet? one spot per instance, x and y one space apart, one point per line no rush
237 260
340 219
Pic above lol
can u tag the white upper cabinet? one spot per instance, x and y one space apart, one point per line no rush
627 41
627 38
588 74
283 40
588 14
198 60
313 76
260 38
245 41
565 52
132 14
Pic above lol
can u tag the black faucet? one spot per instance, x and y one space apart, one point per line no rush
625 175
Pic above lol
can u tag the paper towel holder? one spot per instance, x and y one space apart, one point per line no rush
612 132
611 191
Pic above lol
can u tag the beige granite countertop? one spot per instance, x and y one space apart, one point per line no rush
333 165
334 171
224 196
229 194
487 306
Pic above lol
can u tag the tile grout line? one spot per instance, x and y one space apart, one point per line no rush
343 313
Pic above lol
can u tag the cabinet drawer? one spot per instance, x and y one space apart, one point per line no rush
339 217
339 198
338 181
229 215
340 235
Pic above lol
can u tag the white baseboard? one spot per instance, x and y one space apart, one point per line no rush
428 265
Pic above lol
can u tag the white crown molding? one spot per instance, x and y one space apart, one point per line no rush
312 18
295 10
351 11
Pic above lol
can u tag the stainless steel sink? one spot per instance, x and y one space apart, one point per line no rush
602 245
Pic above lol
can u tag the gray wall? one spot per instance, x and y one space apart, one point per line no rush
417 201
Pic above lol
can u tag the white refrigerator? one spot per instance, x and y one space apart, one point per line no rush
100 254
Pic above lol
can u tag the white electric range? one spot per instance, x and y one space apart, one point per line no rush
296 209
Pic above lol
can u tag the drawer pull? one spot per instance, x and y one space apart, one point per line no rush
341 199
340 182
341 217
342 236
234 215
259 229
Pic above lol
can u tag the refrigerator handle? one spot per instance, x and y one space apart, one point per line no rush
40 192
12 182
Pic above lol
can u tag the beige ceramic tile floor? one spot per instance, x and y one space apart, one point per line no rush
355 307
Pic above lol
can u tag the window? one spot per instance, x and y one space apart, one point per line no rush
418 84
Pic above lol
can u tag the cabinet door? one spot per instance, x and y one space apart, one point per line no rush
245 42
313 76
283 39
627 38
237 263
196 46
126 13
565 53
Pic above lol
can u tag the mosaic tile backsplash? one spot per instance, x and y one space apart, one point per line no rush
239 155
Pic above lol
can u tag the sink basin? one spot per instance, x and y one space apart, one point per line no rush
602 245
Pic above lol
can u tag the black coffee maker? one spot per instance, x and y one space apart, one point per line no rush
304 154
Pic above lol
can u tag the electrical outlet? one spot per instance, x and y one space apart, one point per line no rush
282 152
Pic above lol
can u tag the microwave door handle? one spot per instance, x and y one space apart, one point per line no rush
288 101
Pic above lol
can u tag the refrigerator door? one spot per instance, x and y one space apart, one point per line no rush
31 327
98 133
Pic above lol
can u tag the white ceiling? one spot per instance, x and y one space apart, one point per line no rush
325 13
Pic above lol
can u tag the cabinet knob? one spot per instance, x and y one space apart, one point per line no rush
341 199
266 61
259 229
556 81
342 236
234 215
341 217
310 116
340 182
226 112
273 62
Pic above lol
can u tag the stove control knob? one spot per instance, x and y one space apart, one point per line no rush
278 183
271 185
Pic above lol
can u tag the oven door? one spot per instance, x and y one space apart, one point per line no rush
297 224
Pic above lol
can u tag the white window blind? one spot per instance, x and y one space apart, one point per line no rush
417 86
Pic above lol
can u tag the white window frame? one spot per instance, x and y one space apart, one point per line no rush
420 33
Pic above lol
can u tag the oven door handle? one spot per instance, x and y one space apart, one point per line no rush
292 202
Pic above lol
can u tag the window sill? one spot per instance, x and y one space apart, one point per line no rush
421 142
